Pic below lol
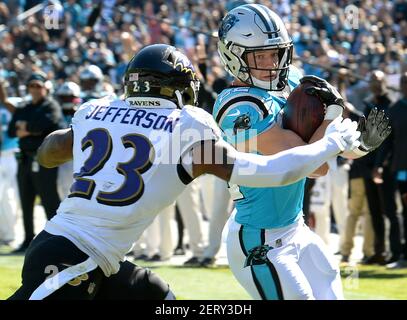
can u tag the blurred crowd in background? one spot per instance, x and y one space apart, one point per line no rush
68 35
81 49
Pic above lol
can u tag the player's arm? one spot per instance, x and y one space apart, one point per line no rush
286 167
278 139
334 106
3 98
56 148
267 141
333 109
318 134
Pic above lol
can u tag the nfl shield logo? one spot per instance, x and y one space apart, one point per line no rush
133 76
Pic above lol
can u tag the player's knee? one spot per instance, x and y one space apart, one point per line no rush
155 287
322 260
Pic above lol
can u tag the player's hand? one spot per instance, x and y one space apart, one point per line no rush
22 133
374 130
344 133
324 91
377 175
21 124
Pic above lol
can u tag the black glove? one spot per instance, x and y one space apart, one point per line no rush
325 91
374 130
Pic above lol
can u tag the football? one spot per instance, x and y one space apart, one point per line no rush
303 113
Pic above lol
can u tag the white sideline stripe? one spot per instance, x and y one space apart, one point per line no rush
63 277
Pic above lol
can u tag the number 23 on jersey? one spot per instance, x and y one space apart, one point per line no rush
133 186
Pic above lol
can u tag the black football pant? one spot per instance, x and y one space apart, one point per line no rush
49 252
381 199
402 186
33 182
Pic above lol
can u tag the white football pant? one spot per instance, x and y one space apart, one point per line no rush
296 265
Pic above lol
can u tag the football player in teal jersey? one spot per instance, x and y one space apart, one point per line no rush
271 252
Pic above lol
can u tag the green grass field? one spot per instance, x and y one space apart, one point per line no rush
361 282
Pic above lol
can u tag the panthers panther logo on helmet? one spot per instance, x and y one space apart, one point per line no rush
227 23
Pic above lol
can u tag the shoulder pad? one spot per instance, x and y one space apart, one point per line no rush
196 125
234 103
200 119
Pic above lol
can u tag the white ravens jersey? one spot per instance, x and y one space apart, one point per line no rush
126 170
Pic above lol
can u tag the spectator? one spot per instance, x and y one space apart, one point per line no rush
381 193
9 203
68 97
357 206
31 124
397 146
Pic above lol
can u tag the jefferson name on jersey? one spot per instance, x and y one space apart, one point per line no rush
135 116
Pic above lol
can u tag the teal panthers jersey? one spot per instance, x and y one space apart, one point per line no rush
242 113
8 142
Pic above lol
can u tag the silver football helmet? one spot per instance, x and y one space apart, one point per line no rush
68 95
91 80
246 30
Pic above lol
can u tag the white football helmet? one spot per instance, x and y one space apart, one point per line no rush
91 80
69 88
68 95
249 28
91 72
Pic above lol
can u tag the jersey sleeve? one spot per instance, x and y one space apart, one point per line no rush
242 114
197 125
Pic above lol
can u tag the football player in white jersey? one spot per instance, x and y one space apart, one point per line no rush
271 252
132 158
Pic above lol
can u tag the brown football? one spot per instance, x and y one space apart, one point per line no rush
303 113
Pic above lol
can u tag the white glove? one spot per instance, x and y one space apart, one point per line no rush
344 133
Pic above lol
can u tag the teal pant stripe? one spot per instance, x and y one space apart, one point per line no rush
276 279
257 283
264 276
